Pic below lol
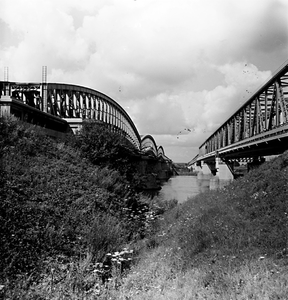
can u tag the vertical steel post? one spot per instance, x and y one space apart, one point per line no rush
277 104
282 105
235 129
44 88
257 115
250 122
266 112
6 80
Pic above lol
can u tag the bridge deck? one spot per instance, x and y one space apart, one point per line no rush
257 128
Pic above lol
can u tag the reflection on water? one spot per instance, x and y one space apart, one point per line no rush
179 187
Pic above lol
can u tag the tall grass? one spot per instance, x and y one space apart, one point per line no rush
57 208
101 241
225 244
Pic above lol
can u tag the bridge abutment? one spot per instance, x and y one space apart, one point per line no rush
74 123
5 106
51 125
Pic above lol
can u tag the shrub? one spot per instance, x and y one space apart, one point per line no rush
56 202
105 147
105 234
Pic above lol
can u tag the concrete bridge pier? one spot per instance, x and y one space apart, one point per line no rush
207 168
214 175
204 176
165 171
224 174
5 106
154 171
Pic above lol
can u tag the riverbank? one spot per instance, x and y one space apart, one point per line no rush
223 244
65 204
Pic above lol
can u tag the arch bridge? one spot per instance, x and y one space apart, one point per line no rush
69 102
149 147
57 105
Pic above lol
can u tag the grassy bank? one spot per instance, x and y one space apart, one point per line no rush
227 244
66 238
64 205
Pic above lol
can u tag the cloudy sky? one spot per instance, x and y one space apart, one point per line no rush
180 68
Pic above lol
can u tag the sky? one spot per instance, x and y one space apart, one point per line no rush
180 68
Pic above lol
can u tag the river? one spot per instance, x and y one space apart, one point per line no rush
180 188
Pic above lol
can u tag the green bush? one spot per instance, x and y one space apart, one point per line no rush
66 197
60 215
105 234
105 147
54 201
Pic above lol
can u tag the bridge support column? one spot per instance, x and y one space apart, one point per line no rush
214 175
154 172
224 173
203 177
5 106
195 168
205 168
164 171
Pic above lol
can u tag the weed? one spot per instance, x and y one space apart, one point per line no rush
61 234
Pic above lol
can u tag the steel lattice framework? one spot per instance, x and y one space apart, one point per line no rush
71 101
148 145
259 127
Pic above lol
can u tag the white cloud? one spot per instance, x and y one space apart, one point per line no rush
175 64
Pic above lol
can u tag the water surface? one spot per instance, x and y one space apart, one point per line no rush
180 188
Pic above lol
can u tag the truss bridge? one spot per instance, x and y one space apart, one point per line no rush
257 129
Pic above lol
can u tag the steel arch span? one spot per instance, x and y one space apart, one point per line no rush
148 145
72 102
150 148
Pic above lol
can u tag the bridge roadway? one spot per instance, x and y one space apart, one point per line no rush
60 107
258 128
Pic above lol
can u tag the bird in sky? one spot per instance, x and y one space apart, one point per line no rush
185 129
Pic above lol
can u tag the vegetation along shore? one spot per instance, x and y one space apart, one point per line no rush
74 225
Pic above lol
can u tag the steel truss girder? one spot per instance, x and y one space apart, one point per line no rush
264 112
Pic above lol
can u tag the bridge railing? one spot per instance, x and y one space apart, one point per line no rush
264 113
